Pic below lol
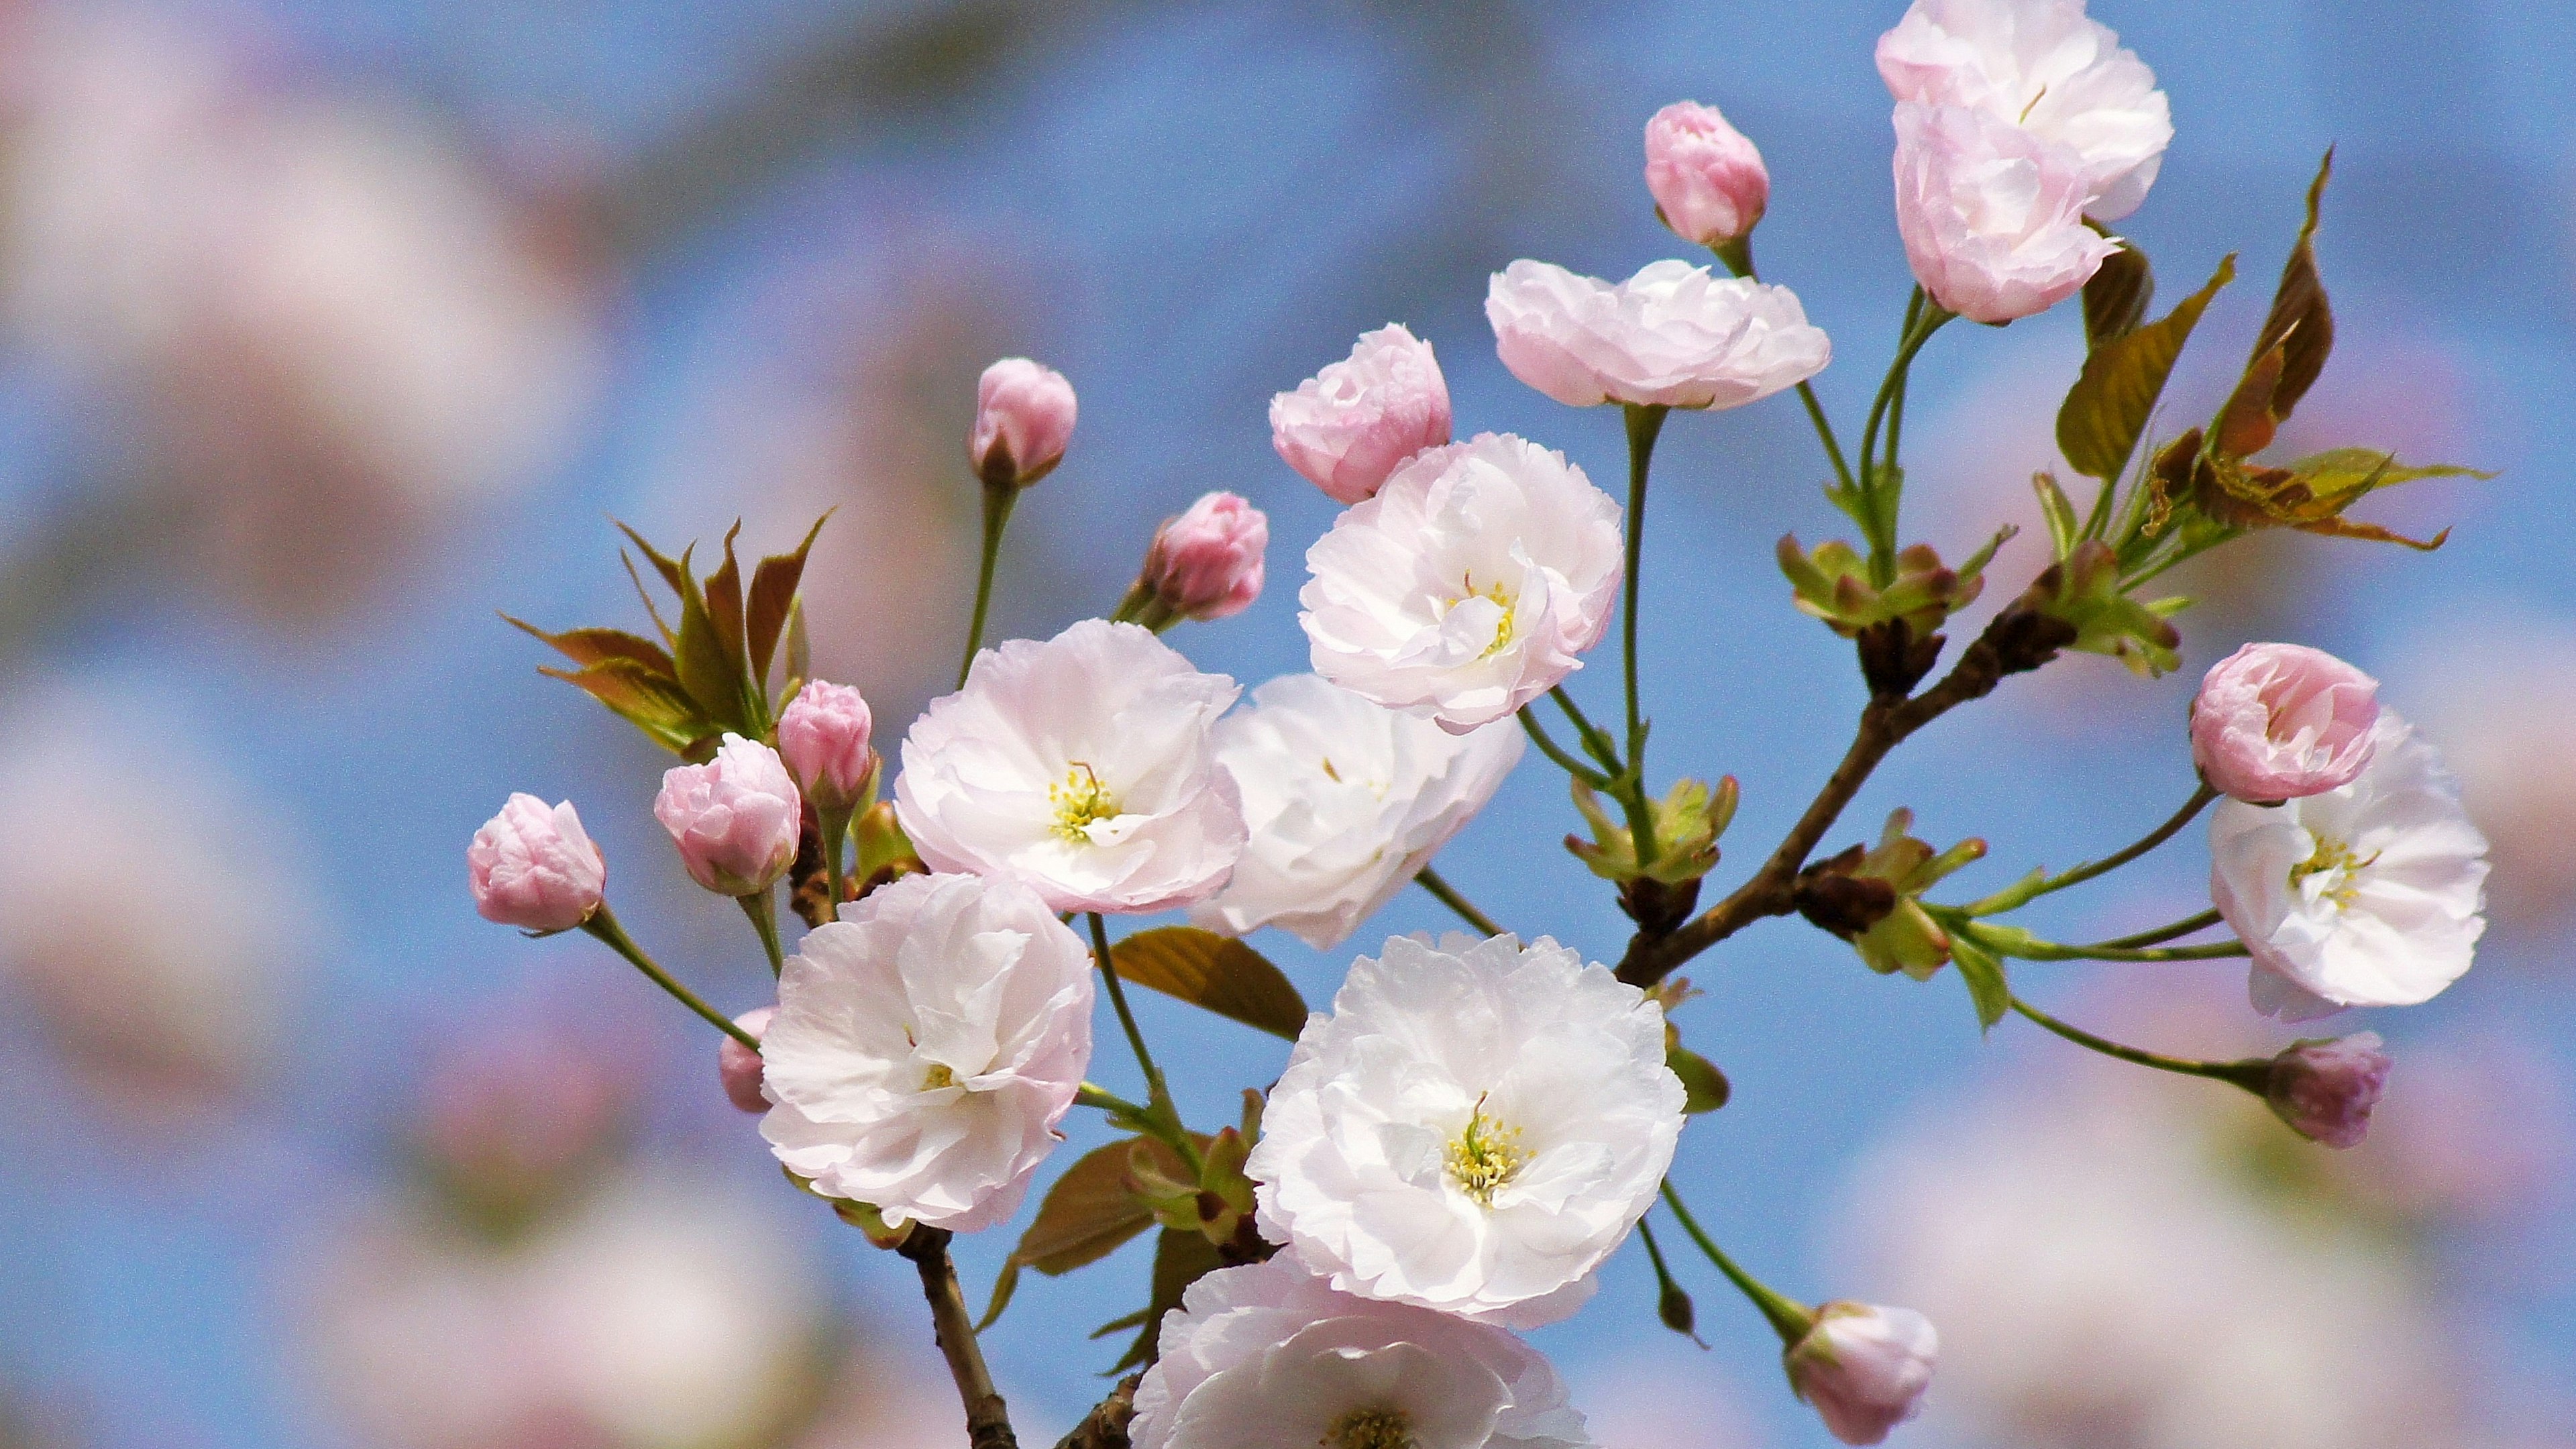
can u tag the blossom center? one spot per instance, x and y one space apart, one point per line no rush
1371 1429
938 1077
1483 1156
1498 594
2335 859
1080 802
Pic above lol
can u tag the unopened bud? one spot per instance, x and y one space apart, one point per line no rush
738 1066
534 867
1864 1368
823 738
1708 181
2326 1089
1024 414
1207 563
2278 722
736 818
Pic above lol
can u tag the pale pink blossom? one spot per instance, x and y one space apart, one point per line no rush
738 1066
1350 425
1024 414
1707 179
1992 215
1207 563
2325 1089
2045 67
1670 336
1864 1368
735 818
823 738
2278 721
532 866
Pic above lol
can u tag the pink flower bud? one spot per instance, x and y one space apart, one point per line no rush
534 867
1992 215
1864 1368
1707 179
1206 564
823 737
2280 722
2325 1089
1350 425
738 1066
735 818
1023 420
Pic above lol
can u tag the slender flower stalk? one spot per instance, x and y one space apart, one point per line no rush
999 499
1645 423
1787 1316
1158 1094
1738 257
1548 746
1439 886
762 907
603 925
2158 936
2013 897
1882 482
2252 1075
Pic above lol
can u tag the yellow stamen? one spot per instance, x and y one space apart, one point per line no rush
1484 1156
937 1077
1371 1429
1500 595
1080 802
2333 855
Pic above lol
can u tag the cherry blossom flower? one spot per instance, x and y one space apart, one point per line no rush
1084 766
535 868
925 1046
1864 1368
1707 179
1272 1354
1671 335
1350 425
2278 721
735 818
1468 586
1992 215
2046 67
1345 801
1474 1128
2370 894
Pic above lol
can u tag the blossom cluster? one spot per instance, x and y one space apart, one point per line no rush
1479 1122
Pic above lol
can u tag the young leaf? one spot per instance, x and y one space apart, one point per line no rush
596 646
800 648
2057 512
2301 324
1083 1219
672 570
1704 1087
1984 973
724 609
773 590
1212 971
704 666
2106 410
2115 300
651 702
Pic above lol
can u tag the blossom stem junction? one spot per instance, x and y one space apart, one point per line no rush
762 907
1788 1317
603 926
1549 747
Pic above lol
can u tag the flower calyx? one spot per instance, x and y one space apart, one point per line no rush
1897 625
1872 897
2080 603
1686 822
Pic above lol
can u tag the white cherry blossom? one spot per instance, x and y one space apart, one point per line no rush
925 1046
1671 335
1345 800
1474 1128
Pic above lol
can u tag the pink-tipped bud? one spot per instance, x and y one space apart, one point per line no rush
1351 425
1864 1368
2279 722
534 867
1023 419
1206 564
823 737
2325 1088
1707 179
735 818
738 1066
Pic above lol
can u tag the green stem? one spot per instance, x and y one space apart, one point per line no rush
1645 424
998 500
1092 1095
2252 1075
2014 897
1550 748
1432 881
2159 935
1159 1110
834 827
1596 741
762 907
1789 1318
1880 486
603 927
1672 1305
1738 257
2036 950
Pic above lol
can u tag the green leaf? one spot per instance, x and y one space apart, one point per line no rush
2301 324
800 648
705 668
1212 971
1984 973
648 700
1180 1259
597 646
1084 1218
1704 1087
2115 300
2340 474
773 594
2058 513
723 594
672 570
2099 423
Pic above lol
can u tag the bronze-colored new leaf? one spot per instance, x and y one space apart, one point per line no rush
650 700
1212 971
2107 409
2300 324
773 594
2115 300
724 610
706 667
1084 1218
597 646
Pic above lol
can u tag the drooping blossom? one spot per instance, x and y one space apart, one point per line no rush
738 1066
2325 1089
2280 721
532 866
1992 215
1082 765
1864 1368
1271 1354
1473 1129
1707 178
1350 425
823 735
2046 67
2369 894
1024 414
1471 584
1671 335
735 818
1346 800
1207 563
925 1046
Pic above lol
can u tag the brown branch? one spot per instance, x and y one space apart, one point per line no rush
1105 1427
2019 639
988 1420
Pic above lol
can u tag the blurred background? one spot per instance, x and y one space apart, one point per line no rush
329 327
